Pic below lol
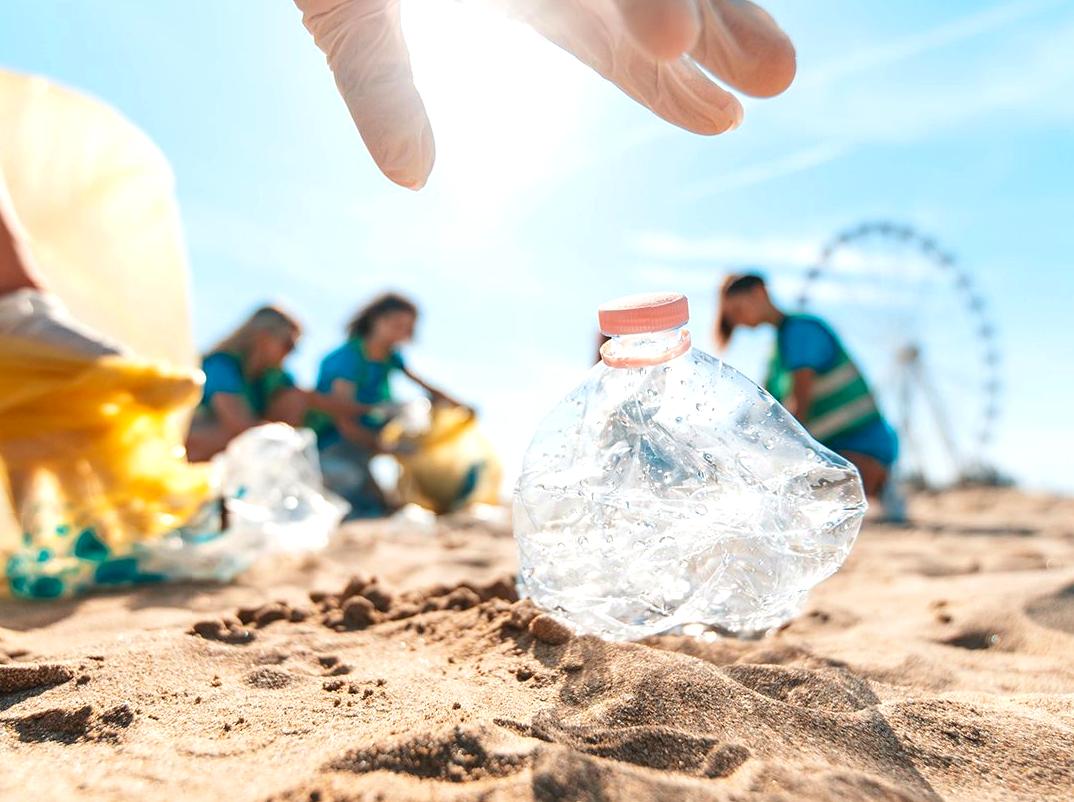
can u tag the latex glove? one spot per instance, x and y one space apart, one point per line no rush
636 44
39 317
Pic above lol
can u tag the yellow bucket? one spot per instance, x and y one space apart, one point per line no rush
453 464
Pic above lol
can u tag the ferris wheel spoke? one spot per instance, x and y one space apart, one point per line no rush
956 372
954 378
883 333
939 415
919 326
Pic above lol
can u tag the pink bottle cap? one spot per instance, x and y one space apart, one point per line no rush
638 314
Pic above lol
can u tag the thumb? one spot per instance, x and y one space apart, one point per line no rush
363 41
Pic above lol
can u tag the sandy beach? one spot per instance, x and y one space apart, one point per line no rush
680 271
937 665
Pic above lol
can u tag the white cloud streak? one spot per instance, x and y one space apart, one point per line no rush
727 250
860 112
886 54
795 162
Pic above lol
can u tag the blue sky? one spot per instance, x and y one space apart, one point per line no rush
553 192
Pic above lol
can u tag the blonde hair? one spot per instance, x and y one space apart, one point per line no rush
270 319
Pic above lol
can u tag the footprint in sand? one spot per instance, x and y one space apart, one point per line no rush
654 746
70 725
973 639
835 690
461 755
1055 611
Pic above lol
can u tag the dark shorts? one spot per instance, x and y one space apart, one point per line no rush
345 467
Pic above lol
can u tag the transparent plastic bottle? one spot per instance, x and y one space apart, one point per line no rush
668 489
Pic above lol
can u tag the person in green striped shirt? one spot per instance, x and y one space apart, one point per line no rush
812 375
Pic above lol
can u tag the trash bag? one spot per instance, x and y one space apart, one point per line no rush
448 466
97 200
97 476
93 460
99 492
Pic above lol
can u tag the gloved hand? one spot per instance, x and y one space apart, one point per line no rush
636 44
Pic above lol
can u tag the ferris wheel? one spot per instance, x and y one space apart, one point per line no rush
921 331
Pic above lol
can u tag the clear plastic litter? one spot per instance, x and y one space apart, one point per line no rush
264 496
675 493
413 518
272 500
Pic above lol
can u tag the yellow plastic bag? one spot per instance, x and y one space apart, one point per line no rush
454 464
91 449
94 464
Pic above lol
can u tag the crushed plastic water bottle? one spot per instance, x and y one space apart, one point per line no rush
668 489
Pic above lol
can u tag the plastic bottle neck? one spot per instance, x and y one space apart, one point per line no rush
646 349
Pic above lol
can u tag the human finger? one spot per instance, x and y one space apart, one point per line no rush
742 45
595 33
663 28
363 42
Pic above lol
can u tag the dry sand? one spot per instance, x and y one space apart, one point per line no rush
937 665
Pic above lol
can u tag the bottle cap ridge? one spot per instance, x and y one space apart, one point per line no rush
639 314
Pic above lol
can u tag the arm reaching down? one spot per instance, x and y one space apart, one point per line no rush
233 413
438 396
336 405
343 392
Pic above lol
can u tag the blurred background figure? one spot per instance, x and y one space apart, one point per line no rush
812 375
360 371
246 385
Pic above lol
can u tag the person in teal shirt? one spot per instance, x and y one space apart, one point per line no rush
247 385
361 370
812 375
